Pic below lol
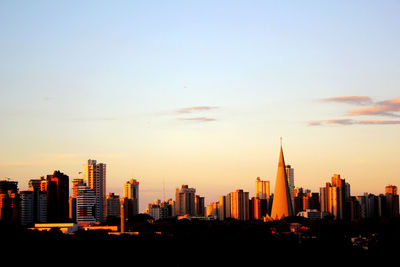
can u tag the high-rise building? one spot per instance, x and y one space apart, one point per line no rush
392 201
75 183
260 208
334 196
86 205
185 200
94 174
290 177
113 206
262 189
240 205
170 205
131 191
158 210
369 206
72 200
9 202
56 187
304 199
261 201
212 210
33 204
222 208
282 202
199 206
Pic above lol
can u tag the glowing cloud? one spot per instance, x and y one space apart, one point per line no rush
195 108
199 119
354 100
353 122
385 108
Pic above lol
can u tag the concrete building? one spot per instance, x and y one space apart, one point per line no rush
282 202
185 200
212 210
240 205
33 207
392 201
86 201
262 189
9 202
131 191
334 196
113 206
94 174
56 187
290 177
313 214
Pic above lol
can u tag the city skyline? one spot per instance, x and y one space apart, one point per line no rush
174 93
146 199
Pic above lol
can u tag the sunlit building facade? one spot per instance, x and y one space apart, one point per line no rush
333 197
282 202
262 189
222 208
94 174
260 202
392 201
9 202
72 200
185 200
56 187
33 206
290 178
239 205
131 191
86 205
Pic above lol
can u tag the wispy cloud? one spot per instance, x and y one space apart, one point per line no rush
353 122
389 108
354 100
385 108
380 122
198 119
88 119
334 121
195 108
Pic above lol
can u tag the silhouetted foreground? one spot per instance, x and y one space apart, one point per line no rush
221 243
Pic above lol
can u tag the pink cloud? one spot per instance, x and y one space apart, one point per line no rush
385 108
199 119
353 122
354 100
195 108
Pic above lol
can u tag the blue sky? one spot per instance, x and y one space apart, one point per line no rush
109 80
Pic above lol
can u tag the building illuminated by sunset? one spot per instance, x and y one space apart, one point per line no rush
33 204
86 205
282 202
392 201
56 187
131 192
262 189
333 197
290 178
9 202
94 174
113 206
240 205
261 201
184 200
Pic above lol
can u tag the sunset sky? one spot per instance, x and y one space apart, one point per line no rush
200 92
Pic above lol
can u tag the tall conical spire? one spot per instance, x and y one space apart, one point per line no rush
282 204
